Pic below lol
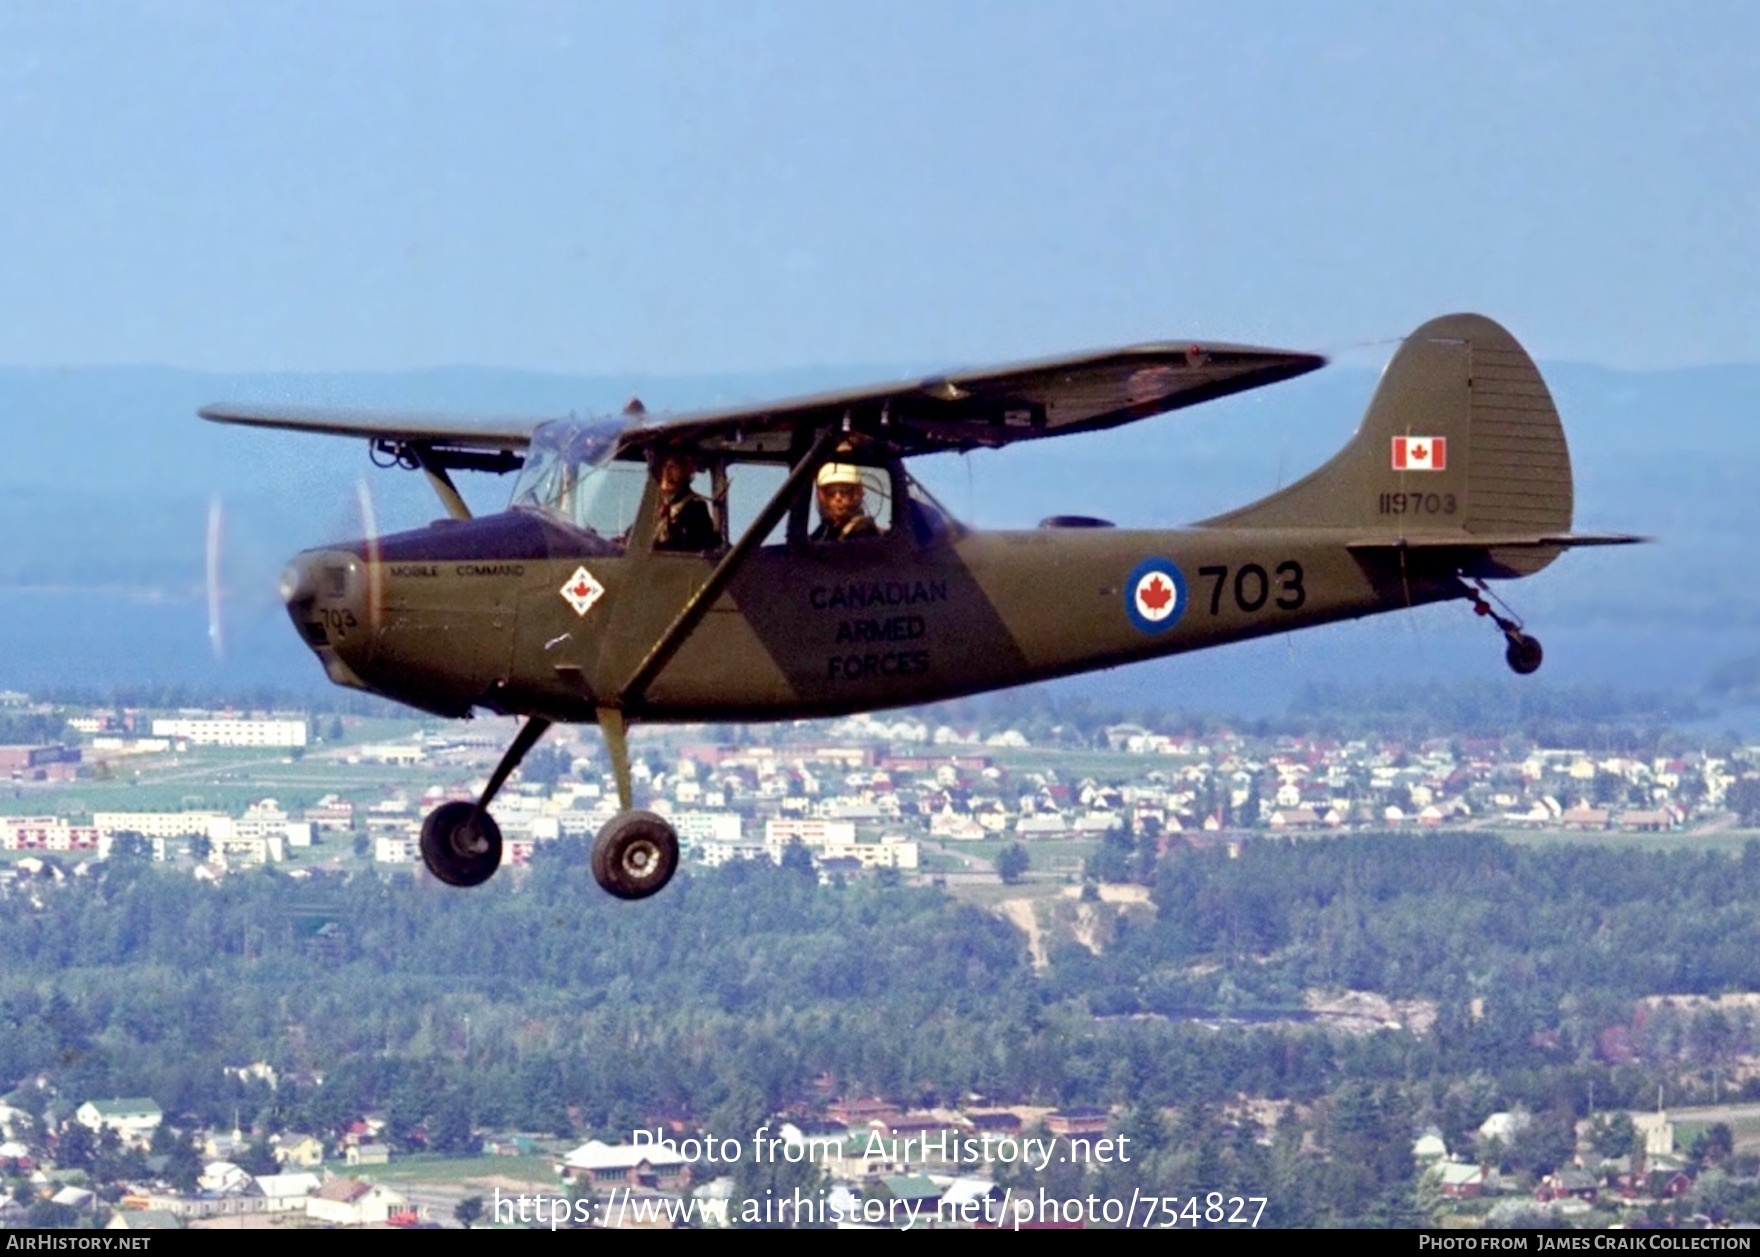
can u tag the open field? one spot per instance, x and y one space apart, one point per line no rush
1728 841
1743 1121
464 1170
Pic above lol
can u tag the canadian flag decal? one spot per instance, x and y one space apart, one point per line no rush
1420 453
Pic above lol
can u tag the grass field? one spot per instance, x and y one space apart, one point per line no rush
1728 841
433 1169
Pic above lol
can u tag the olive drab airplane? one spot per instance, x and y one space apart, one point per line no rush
777 561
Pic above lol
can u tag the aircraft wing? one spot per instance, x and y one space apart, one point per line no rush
995 406
963 410
450 431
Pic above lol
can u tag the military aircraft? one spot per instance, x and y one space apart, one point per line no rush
611 590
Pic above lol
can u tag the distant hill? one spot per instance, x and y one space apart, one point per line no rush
108 477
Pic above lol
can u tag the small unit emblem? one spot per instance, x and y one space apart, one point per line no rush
582 591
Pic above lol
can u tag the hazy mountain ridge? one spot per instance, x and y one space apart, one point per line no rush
110 476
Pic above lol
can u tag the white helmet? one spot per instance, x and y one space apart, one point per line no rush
840 473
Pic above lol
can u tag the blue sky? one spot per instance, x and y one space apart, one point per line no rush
694 187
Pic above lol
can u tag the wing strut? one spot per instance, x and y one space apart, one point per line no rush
444 489
691 614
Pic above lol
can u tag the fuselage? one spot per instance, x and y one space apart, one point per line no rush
519 613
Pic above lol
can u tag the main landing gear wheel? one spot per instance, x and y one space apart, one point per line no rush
1524 654
461 844
635 855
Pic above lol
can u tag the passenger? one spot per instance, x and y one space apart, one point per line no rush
842 514
684 521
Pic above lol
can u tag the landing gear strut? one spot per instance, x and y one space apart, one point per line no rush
1523 654
461 843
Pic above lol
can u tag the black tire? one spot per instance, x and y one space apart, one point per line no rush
1524 654
635 855
460 845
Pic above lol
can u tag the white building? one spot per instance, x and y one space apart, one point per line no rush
707 826
47 833
134 1120
233 731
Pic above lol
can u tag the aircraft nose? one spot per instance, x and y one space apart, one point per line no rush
299 583
326 592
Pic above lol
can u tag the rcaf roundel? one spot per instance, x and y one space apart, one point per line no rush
1420 453
1155 595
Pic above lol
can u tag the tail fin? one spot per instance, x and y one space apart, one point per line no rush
1461 437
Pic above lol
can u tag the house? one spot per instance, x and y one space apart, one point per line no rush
143 1220
286 1193
354 1202
860 1112
999 1122
1079 1121
918 1190
74 1198
368 1154
223 1178
596 1164
1567 1184
1460 1181
971 1199
134 1120
299 1151
15 1158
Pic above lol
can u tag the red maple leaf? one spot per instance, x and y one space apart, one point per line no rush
581 590
1155 595
1417 453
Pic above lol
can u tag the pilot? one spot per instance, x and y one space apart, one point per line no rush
842 514
684 521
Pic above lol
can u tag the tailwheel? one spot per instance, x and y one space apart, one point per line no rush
461 844
635 855
1523 654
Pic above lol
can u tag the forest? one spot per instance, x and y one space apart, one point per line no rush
537 1003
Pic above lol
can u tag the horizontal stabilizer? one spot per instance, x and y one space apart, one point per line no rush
1492 541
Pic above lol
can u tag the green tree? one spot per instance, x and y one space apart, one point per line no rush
468 1210
77 1148
1743 798
184 1168
450 1130
129 845
797 859
1614 1135
258 1159
46 1215
1012 863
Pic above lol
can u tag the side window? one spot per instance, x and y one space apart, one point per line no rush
929 520
743 491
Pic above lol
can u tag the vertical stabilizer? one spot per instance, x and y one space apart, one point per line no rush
1460 437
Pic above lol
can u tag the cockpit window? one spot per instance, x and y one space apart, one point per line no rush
569 473
929 520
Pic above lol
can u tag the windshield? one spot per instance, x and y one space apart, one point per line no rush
569 473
